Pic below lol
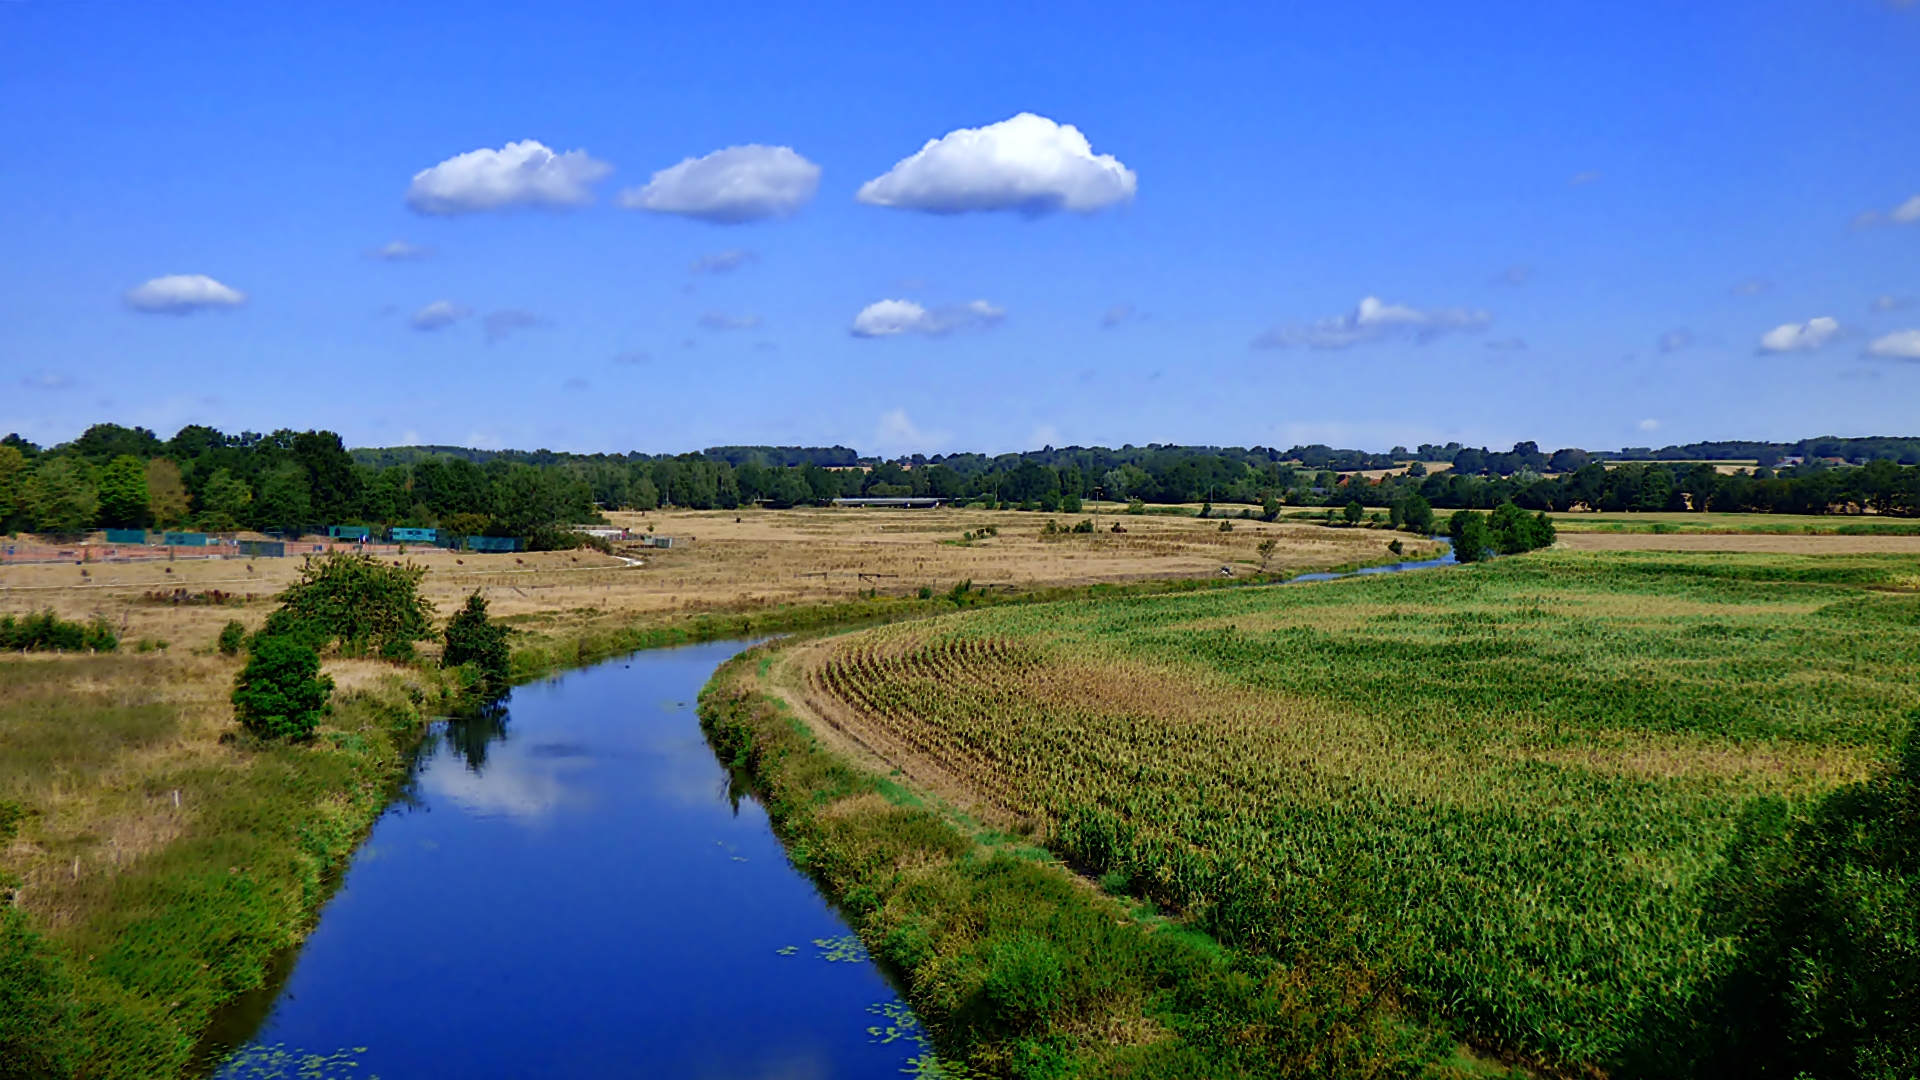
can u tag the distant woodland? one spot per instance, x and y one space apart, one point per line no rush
129 477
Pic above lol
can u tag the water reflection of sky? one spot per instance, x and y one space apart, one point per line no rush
574 894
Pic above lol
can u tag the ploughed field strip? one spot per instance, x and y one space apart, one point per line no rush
1509 786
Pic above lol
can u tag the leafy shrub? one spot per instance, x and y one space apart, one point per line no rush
1468 531
473 638
1825 912
232 637
47 632
1084 525
1354 512
364 604
281 693
1514 532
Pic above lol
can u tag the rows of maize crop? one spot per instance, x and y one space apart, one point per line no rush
1509 784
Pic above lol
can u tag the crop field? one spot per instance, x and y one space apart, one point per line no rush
1510 786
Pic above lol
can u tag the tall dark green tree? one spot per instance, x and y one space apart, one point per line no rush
123 493
473 638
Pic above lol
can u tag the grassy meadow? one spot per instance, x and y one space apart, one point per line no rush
150 869
1510 789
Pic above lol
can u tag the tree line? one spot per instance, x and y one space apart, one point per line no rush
128 477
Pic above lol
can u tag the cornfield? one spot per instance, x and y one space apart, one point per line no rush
1509 785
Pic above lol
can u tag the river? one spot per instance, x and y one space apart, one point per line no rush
571 888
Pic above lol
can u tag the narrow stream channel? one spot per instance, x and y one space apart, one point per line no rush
570 889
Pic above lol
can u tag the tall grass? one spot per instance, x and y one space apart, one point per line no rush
113 960
1508 788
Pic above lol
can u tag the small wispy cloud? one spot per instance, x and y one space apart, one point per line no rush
1675 340
182 294
1751 287
722 262
1582 179
1375 320
400 251
1119 313
1907 213
715 320
632 357
893 318
1887 303
501 325
48 380
1648 424
1808 336
1899 345
897 433
1515 276
438 315
1508 344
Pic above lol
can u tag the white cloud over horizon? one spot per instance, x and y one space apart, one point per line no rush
182 294
1800 337
1375 320
525 173
892 318
438 315
1899 345
1028 164
897 433
731 186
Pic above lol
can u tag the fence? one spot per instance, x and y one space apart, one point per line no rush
126 536
262 549
500 544
185 539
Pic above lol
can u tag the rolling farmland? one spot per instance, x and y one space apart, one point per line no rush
1509 786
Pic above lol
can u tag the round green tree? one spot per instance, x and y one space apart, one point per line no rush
281 693
473 638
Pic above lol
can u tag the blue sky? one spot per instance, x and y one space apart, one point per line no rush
1586 224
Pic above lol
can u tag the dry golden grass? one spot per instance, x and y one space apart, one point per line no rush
735 561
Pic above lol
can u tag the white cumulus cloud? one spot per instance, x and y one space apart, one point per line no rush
1799 337
438 315
1028 163
1375 320
727 187
1899 345
524 173
892 318
183 294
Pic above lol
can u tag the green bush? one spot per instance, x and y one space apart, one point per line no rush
232 637
1514 532
1468 531
47 632
1354 512
281 693
473 638
1826 914
366 605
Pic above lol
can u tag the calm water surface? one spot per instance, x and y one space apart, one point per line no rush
571 892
